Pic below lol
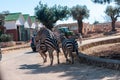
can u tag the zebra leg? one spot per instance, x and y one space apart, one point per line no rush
58 57
66 54
72 57
51 56
45 57
78 55
42 55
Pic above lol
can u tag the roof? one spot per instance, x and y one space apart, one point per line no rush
12 16
26 16
33 18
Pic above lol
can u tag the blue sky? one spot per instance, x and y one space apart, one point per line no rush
27 7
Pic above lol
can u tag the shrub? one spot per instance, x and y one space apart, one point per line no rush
5 38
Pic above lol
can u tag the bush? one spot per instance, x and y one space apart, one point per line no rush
5 38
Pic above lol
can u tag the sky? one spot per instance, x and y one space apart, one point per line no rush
27 7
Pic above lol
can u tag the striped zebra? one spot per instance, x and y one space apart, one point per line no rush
48 39
42 49
69 45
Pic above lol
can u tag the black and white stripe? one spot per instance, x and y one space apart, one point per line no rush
48 40
69 45
42 49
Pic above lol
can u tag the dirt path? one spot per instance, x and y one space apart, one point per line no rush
25 65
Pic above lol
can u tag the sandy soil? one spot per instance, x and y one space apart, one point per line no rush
26 65
105 51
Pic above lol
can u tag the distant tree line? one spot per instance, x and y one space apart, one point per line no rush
106 1
112 12
50 15
2 17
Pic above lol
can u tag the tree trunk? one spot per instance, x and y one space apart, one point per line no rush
80 26
113 25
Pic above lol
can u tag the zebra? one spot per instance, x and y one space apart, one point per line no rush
42 49
69 45
48 39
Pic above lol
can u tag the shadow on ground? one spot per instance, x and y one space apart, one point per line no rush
31 52
74 71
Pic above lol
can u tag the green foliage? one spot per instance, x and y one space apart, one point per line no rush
113 12
79 12
5 38
102 1
2 18
106 1
50 15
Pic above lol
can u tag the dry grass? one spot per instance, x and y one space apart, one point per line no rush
101 34
111 51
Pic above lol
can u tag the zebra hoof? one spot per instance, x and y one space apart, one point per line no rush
68 62
51 64
44 61
72 62
58 62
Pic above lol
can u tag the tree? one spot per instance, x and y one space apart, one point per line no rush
49 16
101 1
113 12
5 12
79 13
2 18
106 1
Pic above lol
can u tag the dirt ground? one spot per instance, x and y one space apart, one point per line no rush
26 65
111 51
101 34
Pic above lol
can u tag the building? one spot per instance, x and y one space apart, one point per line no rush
74 27
102 27
34 26
20 26
27 26
14 23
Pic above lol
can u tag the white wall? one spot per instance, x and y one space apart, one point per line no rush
29 21
20 20
26 25
33 25
10 25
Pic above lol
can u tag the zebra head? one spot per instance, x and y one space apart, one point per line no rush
62 37
40 35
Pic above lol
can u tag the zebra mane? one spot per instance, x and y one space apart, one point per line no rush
62 37
43 33
40 32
